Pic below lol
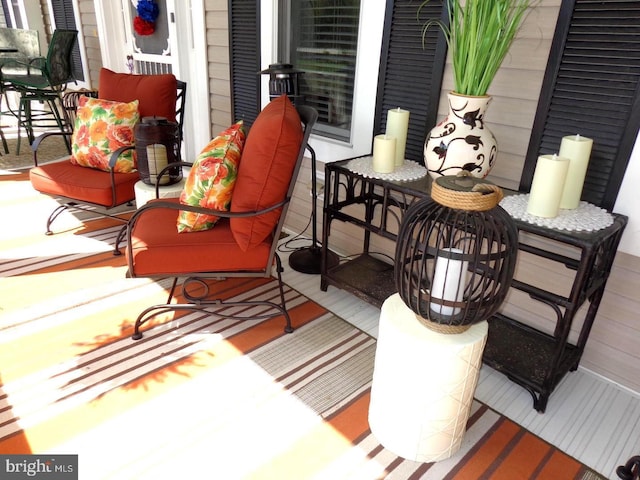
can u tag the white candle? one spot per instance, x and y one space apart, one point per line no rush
157 160
547 185
397 126
578 150
384 153
449 281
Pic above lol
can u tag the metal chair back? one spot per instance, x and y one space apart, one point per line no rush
59 63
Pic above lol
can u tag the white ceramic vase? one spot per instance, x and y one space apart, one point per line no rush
461 141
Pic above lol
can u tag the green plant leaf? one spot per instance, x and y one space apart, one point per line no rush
479 35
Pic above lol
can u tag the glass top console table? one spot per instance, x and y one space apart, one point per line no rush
532 358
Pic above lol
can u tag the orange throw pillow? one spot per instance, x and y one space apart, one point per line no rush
268 160
101 127
211 179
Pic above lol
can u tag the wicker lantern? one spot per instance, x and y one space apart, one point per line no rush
157 145
456 254
455 258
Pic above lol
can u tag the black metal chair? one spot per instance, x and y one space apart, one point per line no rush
85 188
42 80
16 45
217 254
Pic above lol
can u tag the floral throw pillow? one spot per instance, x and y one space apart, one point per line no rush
101 127
212 178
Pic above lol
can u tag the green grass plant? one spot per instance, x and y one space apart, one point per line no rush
479 35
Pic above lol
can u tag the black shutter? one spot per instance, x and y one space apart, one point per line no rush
591 88
65 20
244 40
410 72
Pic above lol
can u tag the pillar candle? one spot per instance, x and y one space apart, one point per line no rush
449 281
157 160
578 150
397 126
384 153
547 185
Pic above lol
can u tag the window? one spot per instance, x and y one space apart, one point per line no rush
320 37
324 38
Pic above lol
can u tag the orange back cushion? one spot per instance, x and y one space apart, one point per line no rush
156 94
267 163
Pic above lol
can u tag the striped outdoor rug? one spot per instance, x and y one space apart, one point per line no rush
198 397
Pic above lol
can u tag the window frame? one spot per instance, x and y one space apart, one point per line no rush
371 25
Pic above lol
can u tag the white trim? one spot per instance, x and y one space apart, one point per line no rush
110 23
627 202
193 61
366 82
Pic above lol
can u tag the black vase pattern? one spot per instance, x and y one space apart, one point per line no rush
461 141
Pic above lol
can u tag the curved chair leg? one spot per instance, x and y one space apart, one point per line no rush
3 97
288 327
631 470
4 141
120 238
55 214
21 112
201 303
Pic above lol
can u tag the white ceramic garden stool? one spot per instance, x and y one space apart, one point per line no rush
145 192
423 384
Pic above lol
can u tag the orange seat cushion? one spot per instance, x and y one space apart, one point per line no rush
83 184
156 94
159 250
268 160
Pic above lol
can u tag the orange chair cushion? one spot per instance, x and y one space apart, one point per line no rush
211 179
84 184
102 127
158 249
268 160
156 94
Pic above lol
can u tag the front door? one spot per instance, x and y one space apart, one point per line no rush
152 49
171 48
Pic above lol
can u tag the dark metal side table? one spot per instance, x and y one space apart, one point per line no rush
529 357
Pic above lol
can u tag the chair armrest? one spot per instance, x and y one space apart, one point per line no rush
166 171
113 159
40 138
202 210
38 63
14 63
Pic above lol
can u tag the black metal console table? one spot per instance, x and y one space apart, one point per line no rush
531 358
